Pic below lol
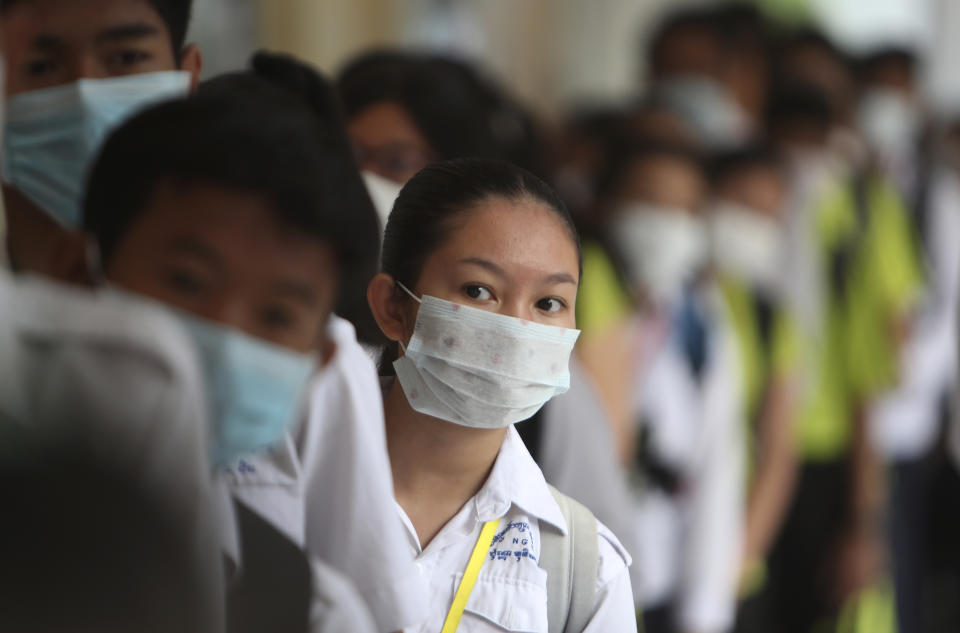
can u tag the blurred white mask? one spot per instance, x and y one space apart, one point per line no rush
383 192
747 245
708 107
891 123
663 248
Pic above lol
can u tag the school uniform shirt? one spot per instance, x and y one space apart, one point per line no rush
511 590
119 379
905 422
690 539
329 488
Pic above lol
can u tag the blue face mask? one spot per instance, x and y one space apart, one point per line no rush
53 135
254 388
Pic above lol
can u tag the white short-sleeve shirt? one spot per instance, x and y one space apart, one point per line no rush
511 591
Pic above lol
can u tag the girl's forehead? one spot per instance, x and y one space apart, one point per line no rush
524 232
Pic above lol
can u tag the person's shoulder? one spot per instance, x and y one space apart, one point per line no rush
613 558
61 318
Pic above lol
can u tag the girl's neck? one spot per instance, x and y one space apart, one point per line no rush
437 465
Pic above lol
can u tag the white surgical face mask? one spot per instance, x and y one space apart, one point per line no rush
890 122
383 193
480 369
53 135
663 249
747 245
707 107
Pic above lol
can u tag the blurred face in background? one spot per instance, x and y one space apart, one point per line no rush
760 188
656 229
686 50
820 68
664 181
746 230
389 143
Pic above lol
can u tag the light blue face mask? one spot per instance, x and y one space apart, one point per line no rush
254 388
53 135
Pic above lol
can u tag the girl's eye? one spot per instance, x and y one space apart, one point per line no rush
551 305
477 292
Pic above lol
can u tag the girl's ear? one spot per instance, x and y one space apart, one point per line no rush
388 307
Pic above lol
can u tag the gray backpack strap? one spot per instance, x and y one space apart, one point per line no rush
571 565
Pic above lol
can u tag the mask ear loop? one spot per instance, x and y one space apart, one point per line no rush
403 347
407 290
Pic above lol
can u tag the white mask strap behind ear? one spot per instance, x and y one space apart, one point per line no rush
407 290
403 347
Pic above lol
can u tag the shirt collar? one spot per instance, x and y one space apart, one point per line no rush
517 480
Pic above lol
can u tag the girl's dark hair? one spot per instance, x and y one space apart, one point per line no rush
429 205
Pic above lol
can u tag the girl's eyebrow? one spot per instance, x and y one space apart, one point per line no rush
555 278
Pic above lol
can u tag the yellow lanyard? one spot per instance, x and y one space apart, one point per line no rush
470 576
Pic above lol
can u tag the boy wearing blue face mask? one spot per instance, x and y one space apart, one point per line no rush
242 210
75 70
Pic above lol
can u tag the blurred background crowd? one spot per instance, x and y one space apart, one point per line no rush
768 195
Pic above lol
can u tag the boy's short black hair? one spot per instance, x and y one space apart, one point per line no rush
246 133
175 13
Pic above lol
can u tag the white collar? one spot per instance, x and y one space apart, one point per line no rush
517 480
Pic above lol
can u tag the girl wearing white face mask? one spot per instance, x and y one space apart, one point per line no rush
481 270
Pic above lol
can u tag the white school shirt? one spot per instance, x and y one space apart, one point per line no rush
511 591
329 487
120 379
905 422
689 543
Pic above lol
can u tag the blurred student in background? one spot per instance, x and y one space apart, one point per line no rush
672 385
853 284
909 421
747 229
406 110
